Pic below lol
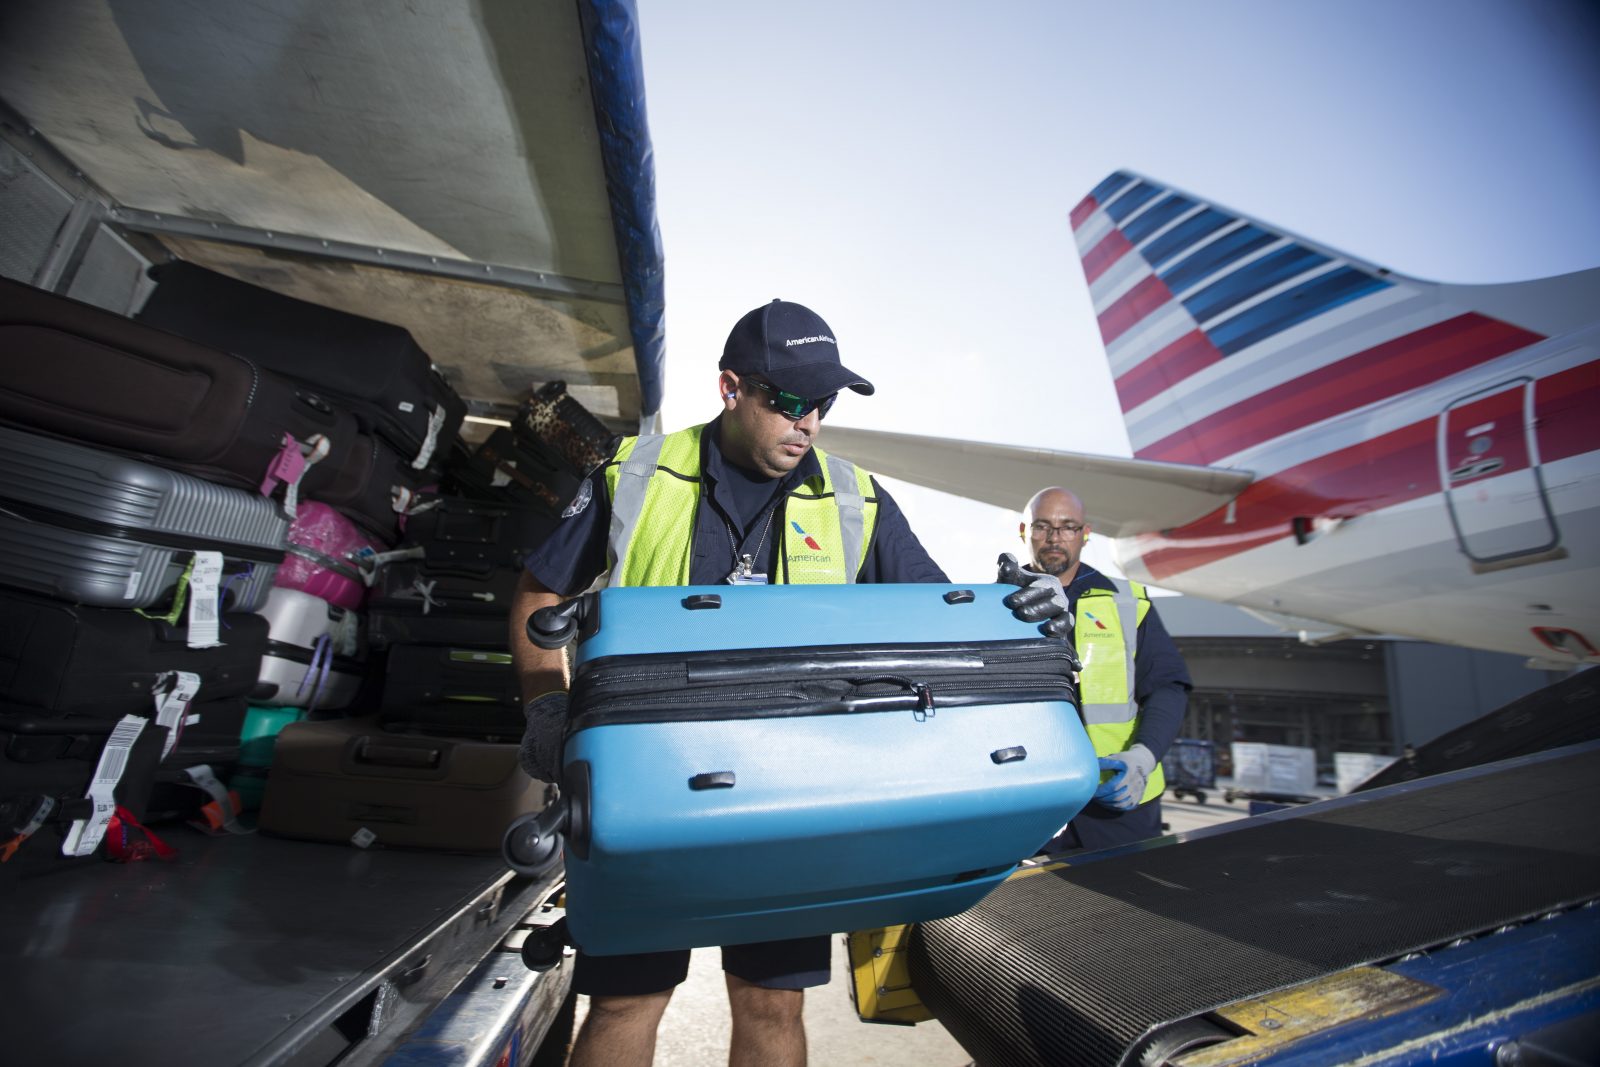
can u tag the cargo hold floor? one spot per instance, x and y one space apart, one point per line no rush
243 950
1075 965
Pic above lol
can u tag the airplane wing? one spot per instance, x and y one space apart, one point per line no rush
1123 496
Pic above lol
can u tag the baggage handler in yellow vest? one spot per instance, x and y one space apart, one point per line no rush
745 499
1134 685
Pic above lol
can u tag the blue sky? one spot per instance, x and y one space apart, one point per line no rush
907 170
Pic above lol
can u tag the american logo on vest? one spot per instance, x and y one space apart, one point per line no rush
809 540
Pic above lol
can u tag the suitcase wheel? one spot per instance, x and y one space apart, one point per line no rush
532 844
555 626
543 947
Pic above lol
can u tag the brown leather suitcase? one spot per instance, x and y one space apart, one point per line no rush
348 780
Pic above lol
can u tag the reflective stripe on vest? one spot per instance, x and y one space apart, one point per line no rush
848 498
633 474
827 525
1106 633
654 484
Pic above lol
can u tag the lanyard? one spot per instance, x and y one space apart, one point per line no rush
744 566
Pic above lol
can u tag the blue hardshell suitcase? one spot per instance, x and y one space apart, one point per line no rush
757 763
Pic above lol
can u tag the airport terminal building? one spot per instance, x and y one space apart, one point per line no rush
1253 682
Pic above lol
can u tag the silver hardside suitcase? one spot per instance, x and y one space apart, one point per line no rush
315 652
93 527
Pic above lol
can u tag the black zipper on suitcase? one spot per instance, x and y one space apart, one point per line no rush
819 680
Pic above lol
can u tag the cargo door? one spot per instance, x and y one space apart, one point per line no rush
1493 488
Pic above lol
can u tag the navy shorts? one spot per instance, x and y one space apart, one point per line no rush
796 964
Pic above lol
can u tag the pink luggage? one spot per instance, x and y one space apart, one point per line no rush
323 551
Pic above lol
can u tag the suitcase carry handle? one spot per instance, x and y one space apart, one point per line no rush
465 568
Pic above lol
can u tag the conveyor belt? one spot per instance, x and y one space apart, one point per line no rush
1077 965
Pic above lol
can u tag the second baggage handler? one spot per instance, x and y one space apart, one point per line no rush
1134 683
745 499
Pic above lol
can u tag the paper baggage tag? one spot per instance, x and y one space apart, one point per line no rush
202 776
344 633
204 581
85 835
431 440
41 815
372 562
174 691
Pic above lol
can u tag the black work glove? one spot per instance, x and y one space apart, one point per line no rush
545 735
1041 598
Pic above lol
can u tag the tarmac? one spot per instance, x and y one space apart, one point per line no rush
694 1031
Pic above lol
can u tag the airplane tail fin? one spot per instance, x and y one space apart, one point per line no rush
1224 333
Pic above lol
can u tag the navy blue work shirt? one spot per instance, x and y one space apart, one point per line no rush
736 516
1160 678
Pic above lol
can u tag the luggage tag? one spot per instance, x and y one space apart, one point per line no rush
174 691
222 812
344 633
371 562
424 591
289 466
430 440
85 835
41 815
205 600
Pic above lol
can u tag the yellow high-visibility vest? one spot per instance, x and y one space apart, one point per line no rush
1106 633
653 482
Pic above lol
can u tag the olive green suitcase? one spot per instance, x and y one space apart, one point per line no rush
348 780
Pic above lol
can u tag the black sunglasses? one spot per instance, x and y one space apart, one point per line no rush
791 406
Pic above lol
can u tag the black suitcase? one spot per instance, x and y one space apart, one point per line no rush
49 764
71 660
512 469
376 368
457 531
376 488
464 603
452 692
76 371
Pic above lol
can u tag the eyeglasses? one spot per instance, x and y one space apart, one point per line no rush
791 406
1044 531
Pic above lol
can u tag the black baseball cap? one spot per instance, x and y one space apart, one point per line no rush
790 346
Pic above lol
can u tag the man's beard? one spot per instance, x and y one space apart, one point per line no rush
1054 568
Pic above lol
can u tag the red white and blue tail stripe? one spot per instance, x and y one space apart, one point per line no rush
1223 333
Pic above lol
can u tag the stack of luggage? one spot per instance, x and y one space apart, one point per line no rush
439 762
441 610
195 506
